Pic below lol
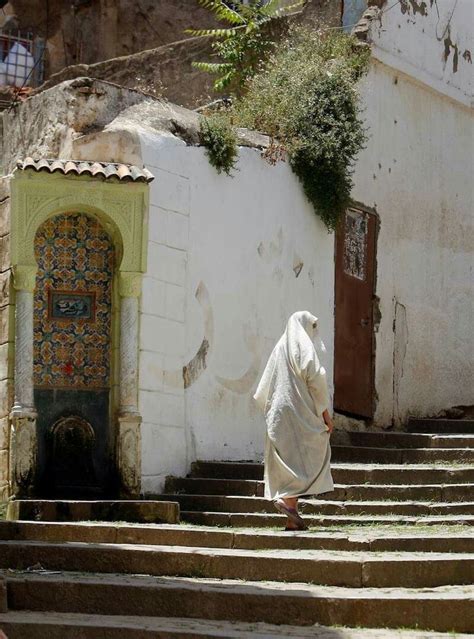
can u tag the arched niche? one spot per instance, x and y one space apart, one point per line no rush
122 210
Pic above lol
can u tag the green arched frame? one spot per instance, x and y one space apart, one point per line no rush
120 207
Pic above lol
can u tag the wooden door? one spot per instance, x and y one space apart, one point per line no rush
354 323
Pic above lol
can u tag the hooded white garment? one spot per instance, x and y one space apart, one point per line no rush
293 395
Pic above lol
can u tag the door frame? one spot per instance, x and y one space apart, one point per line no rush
375 309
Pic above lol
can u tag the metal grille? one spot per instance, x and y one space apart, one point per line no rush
21 59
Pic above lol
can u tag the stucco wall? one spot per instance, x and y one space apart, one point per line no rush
415 171
223 258
430 41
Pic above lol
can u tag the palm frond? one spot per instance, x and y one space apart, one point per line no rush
222 11
270 7
282 11
213 67
220 34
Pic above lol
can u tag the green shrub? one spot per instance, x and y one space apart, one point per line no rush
219 138
306 99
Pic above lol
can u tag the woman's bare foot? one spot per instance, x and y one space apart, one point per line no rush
291 502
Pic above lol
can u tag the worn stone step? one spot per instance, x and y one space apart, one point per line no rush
35 625
249 488
206 486
103 510
382 439
325 567
344 473
443 609
369 539
242 520
340 568
238 504
462 426
226 470
401 455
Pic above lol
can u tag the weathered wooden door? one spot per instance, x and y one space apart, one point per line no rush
354 323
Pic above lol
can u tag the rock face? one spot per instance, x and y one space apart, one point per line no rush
141 45
166 71
85 31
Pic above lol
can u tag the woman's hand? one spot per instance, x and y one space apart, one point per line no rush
328 421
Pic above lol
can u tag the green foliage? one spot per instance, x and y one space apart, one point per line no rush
218 136
306 99
243 45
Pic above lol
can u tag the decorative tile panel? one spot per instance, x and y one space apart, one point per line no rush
73 301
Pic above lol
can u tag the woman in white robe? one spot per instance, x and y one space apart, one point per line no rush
293 396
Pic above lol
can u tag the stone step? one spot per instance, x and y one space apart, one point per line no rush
442 609
380 439
250 487
326 567
103 510
369 539
401 455
348 473
237 504
243 520
35 625
462 426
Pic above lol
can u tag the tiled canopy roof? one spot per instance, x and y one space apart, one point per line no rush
105 170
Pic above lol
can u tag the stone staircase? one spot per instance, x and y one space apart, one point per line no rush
391 548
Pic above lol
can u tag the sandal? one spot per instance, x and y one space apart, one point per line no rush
291 513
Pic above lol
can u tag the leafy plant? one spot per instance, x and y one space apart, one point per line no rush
242 45
306 99
219 138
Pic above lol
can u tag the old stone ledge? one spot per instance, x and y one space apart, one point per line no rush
79 110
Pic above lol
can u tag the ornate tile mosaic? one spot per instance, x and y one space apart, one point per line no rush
73 303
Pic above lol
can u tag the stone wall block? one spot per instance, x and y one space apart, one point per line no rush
3 466
167 264
175 302
6 397
4 491
4 288
4 323
4 350
4 429
4 217
153 297
4 188
170 191
177 231
4 253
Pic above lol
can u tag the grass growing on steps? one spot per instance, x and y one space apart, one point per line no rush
3 510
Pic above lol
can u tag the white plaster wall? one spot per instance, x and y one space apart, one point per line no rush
417 172
430 41
220 266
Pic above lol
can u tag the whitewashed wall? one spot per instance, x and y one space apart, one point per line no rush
417 173
429 41
222 262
